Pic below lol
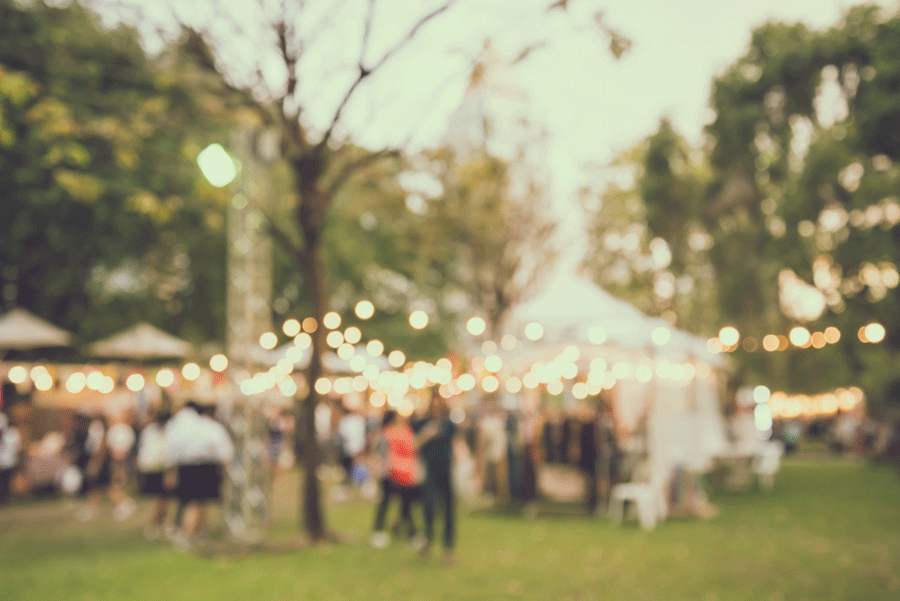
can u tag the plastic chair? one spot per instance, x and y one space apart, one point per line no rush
767 462
648 496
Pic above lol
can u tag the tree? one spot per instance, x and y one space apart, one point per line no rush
647 238
295 37
99 225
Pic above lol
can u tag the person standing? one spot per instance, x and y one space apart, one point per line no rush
151 463
351 430
198 447
10 447
399 467
434 435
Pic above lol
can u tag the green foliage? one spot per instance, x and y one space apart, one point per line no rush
105 219
801 185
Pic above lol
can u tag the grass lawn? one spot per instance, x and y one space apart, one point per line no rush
829 530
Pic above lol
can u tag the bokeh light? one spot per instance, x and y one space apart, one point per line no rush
476 326
218 362
291 327
331 320
364 309
418 319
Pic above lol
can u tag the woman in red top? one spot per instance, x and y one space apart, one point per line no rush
400 474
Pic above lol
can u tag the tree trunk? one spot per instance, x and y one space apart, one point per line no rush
313 519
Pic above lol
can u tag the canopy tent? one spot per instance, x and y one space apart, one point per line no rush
141 342
677 390
22 330
568 308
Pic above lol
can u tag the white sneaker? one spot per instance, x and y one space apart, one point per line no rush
419 542
124 510
380 539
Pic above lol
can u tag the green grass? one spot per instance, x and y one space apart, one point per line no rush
829 531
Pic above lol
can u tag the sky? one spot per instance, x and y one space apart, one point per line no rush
591 105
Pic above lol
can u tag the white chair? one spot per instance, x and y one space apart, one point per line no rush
767 462
648 494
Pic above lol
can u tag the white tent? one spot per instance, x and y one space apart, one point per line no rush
569 308
141 342
679 393
22 330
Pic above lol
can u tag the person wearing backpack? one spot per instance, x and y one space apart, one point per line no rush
151 463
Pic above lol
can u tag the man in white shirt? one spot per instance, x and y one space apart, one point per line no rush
198 448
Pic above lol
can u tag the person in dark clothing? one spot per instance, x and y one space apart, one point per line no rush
588 438
434 435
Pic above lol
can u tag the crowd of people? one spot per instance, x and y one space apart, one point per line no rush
114 455
421 462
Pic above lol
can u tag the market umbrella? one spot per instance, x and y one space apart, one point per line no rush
141 342
22 330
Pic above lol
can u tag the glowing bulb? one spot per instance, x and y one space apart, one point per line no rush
364 309
513 385
303 340
661 335
17 374
396 358
418 319
476 326
323 386
218 362
217 165
490 384
291 327
375 348
534 331
729 336
95 380
135 382
331 320
799 336
761 394
44 382
310 325
466 382
164 377
76 382
334 339
107 386
597 335
352 335
346 351
493 363
268 340
874 333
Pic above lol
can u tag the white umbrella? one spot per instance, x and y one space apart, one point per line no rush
22 330
142 341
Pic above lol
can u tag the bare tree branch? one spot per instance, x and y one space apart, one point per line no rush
366 72
367 31
352 166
